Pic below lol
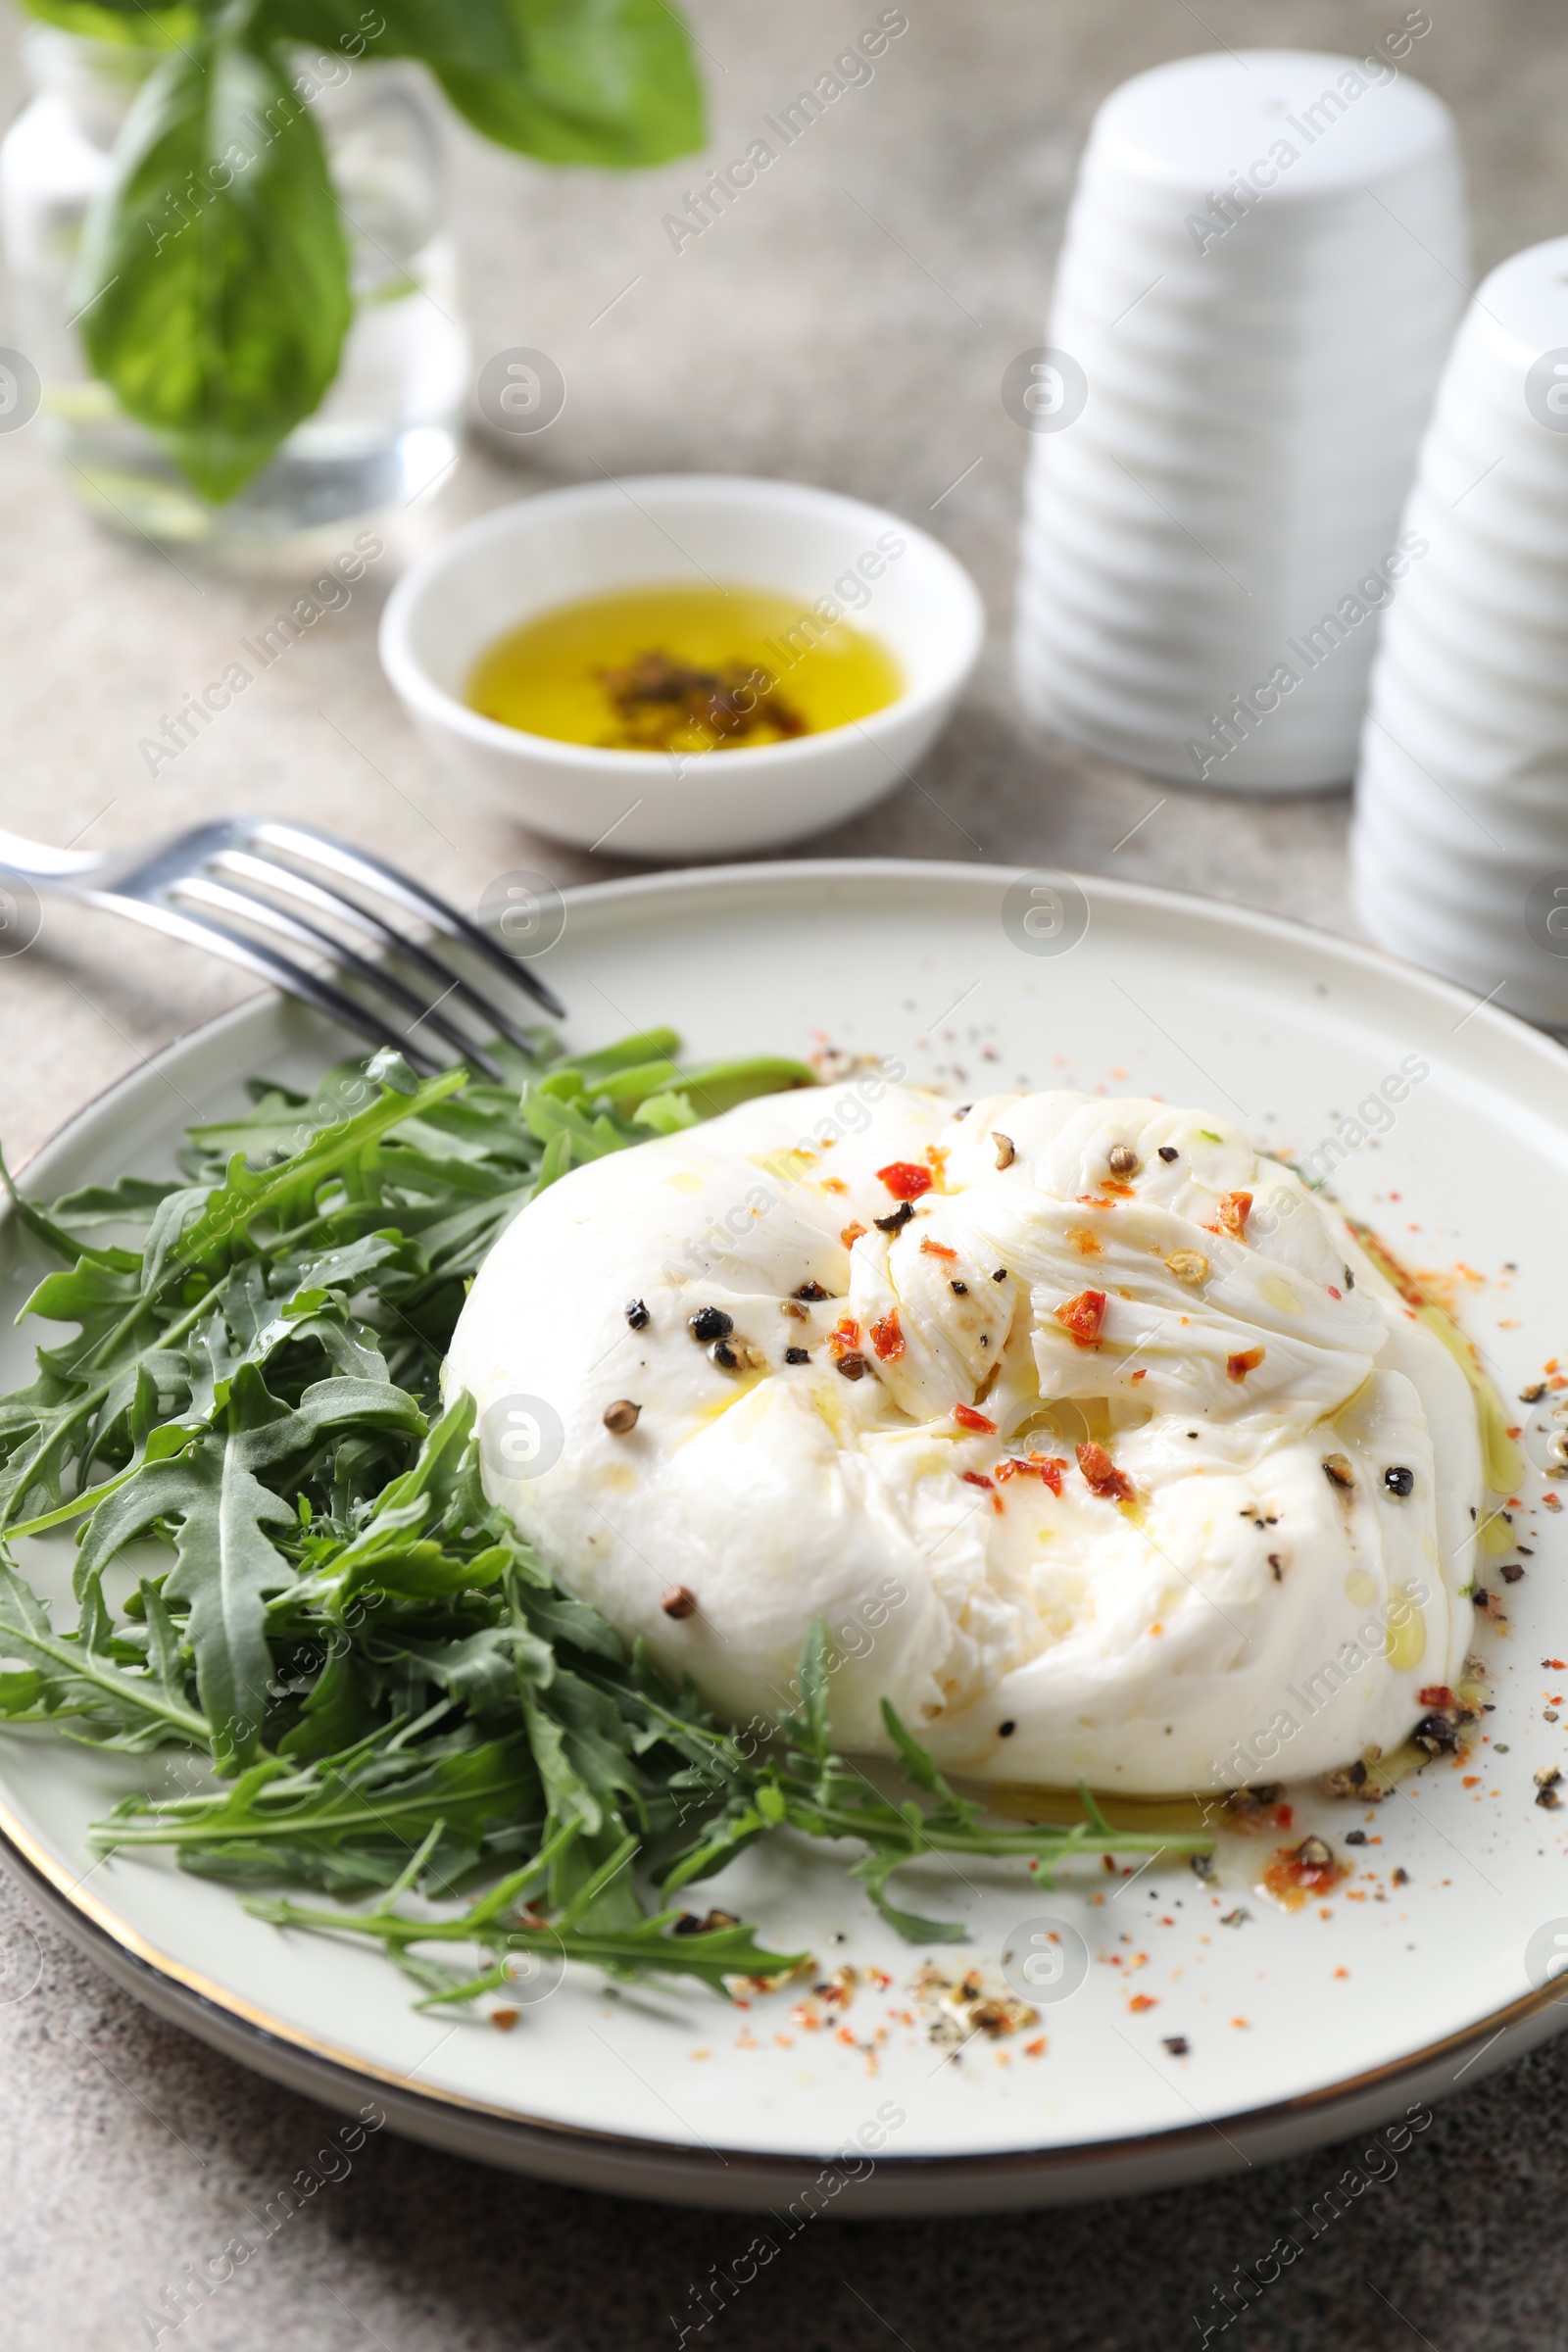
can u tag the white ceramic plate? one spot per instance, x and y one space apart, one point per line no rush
1354 2011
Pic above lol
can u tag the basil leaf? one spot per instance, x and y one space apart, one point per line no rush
213 268
125 23
476 35
601 82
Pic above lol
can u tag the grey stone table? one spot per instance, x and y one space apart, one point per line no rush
848 325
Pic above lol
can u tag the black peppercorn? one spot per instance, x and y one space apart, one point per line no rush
797 1355
1399 1480
637 1315
711 1323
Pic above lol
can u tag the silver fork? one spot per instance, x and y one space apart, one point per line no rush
188 886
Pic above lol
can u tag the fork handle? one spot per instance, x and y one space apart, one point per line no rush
39 861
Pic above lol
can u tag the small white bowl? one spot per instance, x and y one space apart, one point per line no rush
808 543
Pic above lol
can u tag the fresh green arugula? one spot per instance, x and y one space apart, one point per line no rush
213 280
357 1675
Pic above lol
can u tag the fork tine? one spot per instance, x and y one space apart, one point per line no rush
263 963
230 899
276 876
356 865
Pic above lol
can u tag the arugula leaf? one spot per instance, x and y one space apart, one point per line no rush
79 1674
336 1713
339 1150
342 1818
498 1921
130 1200
212 280
226 1561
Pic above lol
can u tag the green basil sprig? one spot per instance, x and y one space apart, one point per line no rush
213 283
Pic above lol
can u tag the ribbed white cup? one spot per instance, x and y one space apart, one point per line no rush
1461 840
1263 264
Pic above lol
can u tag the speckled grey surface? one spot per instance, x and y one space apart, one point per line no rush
798 338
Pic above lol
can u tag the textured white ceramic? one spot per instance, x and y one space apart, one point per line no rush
1263 264
1460 841
1299 2026
834 555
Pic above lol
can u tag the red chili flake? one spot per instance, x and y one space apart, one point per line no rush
1049 1467
1087 1244
938 1250
844 1337
1298 1873
505 2019
1247 1360
1141 1373
1233 1211
1141 2001
1081 1318
1435 1694
1332 1291
850 1234
905 1179
1556 1664
1284 1816
887 1339
967 1418
976 1478
1102 1473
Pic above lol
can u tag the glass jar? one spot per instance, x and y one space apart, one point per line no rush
390 422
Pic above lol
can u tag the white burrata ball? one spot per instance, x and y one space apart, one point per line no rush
1097 1443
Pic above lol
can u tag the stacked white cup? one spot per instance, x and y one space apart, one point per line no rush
1263 265
1460 843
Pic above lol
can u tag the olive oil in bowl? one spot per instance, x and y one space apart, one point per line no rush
683 670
